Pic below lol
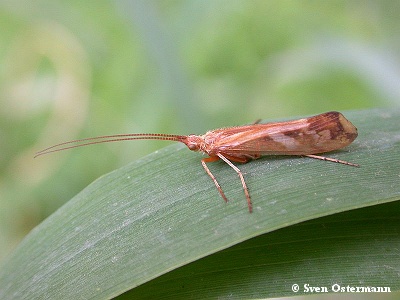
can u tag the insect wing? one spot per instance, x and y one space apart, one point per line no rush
322 133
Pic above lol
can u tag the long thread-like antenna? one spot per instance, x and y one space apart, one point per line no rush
110 138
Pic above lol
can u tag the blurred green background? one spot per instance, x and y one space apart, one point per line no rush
72 69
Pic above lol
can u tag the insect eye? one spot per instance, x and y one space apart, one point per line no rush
192 146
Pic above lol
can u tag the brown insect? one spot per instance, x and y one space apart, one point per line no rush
305 137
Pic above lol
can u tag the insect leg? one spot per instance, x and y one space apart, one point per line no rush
256 122
246 190
211 159
333 160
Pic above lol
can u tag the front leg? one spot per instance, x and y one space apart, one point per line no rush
203 163
225 159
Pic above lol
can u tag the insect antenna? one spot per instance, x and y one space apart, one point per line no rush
110 138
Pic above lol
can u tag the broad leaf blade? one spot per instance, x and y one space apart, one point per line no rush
358 248
163 211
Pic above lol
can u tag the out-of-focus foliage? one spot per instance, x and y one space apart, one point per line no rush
71 69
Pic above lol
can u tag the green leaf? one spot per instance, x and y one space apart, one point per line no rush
163 212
